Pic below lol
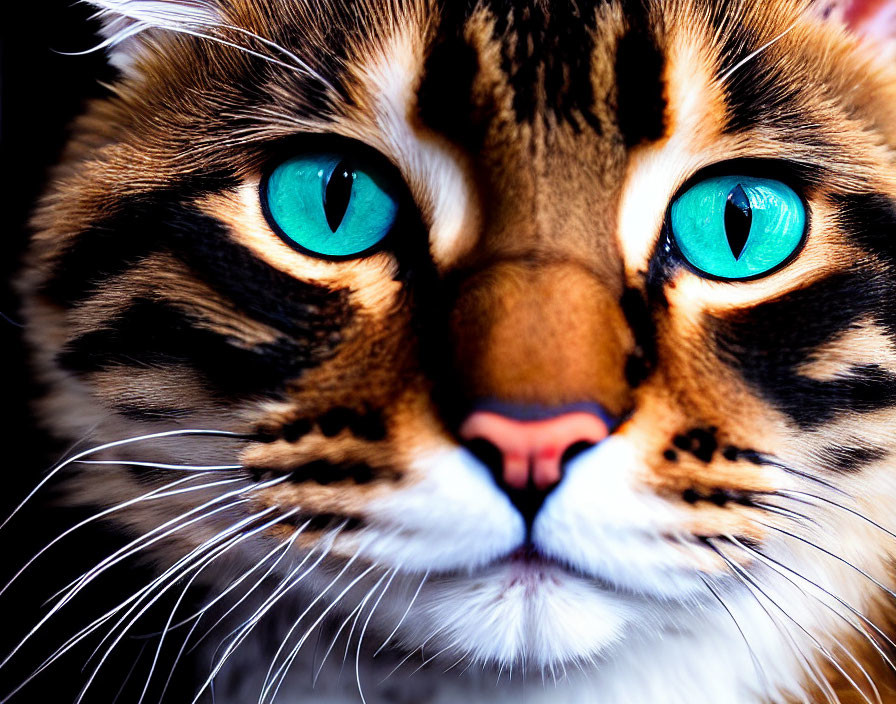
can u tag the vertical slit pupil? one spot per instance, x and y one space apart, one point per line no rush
738 219
337 194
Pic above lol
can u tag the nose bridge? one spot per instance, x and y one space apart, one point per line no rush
543 333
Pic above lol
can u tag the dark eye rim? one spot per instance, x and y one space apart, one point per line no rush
800 178
357 153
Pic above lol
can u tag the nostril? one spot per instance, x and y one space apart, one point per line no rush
489 455
527 457
574 450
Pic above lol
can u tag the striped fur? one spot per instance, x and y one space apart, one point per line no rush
730 542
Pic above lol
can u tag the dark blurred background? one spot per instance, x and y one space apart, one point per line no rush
41 90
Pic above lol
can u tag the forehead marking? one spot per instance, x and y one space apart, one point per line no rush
656 170
640 83
431 166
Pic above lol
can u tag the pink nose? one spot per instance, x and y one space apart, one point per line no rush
532 450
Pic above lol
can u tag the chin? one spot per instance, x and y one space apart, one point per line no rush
522 613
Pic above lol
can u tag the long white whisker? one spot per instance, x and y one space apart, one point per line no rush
295 625
284 548
281 673
98 622
196 559
176 22
142 541
177 658
118 443
779 568
260 612
199 562
236 541
404 615
725 76
159 465
86 521
837 557
819 646
364 630
122 554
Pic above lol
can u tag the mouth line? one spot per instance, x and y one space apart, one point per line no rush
529 561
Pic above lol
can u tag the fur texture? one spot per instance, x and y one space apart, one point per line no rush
729 542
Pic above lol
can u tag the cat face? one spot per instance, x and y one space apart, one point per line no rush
569 324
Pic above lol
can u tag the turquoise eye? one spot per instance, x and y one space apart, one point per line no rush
738 227
329 205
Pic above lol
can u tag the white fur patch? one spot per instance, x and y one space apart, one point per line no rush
455 518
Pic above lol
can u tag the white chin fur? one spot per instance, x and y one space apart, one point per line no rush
456 523
509 617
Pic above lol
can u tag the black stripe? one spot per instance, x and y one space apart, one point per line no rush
140 225
445 97
869 220
547 49
152 334
768 344
850 458
638 313
640 84
161 223
325 472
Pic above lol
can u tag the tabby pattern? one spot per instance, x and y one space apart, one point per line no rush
288 436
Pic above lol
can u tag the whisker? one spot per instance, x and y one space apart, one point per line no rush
159 18
818 645
811 668
364 630
177 659
835 504
284 548
725 76
135 545
786 513
846 562
200 556
404 615
756 664
79 584
408 656
777 566
118 443
282 672
130 673
271 676
769 462
72 642
158 465
85 632
151 494
760 671
255 531
263 609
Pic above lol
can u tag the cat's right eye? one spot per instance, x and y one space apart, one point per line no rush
329 204
737 227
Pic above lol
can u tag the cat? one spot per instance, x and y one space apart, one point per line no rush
441 351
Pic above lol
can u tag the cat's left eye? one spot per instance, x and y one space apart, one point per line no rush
330 204
737 227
